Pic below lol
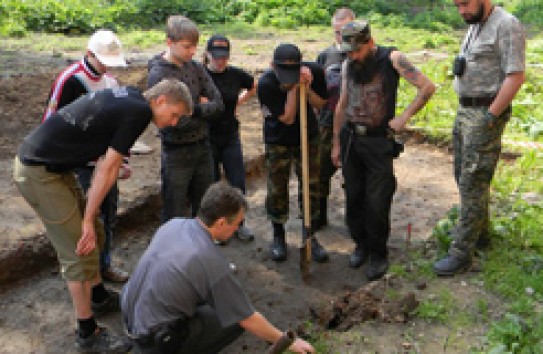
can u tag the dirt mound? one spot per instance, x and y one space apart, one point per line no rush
371 302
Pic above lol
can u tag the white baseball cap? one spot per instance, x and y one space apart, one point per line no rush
106 46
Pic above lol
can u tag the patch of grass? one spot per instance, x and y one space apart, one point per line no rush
515 334
319 339
398 269
437 309
239 30
143 38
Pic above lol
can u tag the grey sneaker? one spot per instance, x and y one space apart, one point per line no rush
102 342
244 234
111 304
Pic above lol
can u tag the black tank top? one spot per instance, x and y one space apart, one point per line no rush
374 104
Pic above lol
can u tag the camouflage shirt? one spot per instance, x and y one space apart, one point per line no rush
493 49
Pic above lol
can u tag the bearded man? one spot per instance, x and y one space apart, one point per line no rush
489 71
363 138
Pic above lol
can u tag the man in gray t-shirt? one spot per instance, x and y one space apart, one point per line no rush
183 296
489 72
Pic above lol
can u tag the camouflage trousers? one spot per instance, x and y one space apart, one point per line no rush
327 168
477 148
279 159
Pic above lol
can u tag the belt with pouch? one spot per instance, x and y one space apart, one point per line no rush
363 130
476 101
166 337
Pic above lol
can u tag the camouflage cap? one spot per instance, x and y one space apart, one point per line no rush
354 34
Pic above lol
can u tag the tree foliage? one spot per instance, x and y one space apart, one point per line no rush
75 16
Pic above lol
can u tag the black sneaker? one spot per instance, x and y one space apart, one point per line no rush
102 342
110 304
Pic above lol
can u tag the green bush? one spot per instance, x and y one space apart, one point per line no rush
153 12
529 12
75 16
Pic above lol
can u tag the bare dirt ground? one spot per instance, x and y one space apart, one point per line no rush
35 311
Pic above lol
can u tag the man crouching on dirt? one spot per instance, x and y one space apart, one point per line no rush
105 122
183 297
364 124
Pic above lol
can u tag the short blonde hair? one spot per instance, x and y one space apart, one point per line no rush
174 90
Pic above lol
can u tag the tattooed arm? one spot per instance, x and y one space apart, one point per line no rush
339 116
425 88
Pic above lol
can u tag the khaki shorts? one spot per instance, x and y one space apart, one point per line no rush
59 202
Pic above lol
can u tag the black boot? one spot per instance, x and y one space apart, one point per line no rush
451 265
278 249
358 257
377 267
318 253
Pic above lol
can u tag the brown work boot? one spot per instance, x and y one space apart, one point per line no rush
115 275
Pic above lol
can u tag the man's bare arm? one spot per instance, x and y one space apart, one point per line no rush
425 88
510 86
105 175
291 106
339 116
260 327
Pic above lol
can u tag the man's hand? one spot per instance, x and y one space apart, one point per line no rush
301 346
87 242
305 76
125 172
335 155
397 124
490 119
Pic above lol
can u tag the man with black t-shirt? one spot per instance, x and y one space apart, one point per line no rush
236 87
278 94
88 75
364 123
100 125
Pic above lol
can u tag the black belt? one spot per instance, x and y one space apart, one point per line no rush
171 145
476 101
48 167
362 130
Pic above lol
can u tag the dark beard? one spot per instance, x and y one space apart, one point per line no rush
362 72
478 17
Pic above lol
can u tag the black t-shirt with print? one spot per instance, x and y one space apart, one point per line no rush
83 130
272 102
230 83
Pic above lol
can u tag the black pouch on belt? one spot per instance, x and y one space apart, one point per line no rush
397 148
170 337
